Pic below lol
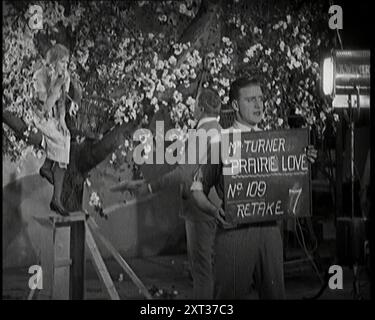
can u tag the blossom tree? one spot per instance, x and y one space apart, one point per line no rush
135 62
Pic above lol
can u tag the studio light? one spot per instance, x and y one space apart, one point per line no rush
346 72
346 79
328 76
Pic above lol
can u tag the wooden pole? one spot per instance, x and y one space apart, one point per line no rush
100 267
92 224
122 205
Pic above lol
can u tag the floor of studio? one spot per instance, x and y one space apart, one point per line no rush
168 278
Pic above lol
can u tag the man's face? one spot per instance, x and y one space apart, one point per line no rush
62 65
250 104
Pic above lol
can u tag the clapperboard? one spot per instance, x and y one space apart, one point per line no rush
266 175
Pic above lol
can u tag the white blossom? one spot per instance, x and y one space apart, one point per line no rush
160 65
193 75
190 101
160 87
224 82
295 31
154 101
94 200
227 41
177 96
172 60
183 8
282 45
178 50
322 116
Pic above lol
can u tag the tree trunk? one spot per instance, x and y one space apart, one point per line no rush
74 179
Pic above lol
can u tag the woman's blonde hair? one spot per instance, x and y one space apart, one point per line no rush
56 53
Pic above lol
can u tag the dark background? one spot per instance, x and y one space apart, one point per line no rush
358 21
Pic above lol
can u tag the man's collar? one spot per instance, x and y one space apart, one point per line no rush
244 127
204 120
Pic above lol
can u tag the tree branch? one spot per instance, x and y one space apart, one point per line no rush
95 152
204 31
19 127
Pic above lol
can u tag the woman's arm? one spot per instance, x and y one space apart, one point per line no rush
48 96
61 114
41 93
54 93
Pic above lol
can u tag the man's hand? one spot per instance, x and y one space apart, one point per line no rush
220 218
129 185
311 153
142 190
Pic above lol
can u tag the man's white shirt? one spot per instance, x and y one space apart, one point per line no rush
237 126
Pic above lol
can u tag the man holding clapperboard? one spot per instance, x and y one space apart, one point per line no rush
263 176
248 241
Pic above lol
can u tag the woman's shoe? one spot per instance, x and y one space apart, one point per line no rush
47 174
54 206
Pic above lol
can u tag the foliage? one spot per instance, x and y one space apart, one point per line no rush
128 59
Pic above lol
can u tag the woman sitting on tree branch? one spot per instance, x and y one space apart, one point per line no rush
51 83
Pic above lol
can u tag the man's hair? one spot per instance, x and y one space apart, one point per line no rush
56 53
209 100
240 83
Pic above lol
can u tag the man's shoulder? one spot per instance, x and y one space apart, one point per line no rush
211 128
212 124
230 130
